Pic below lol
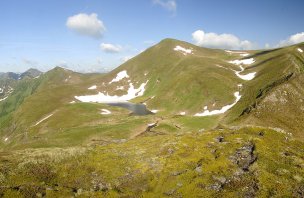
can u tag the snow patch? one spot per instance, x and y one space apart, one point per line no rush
105 98
2 99
237 52
300 50
93 87
72 102
5 139
234 52
183 50
249 76
182 113
248 61
206 112
154 111
43 119
121 75
10 90
105 112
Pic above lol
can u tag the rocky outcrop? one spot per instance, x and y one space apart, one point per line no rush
262 92
244 157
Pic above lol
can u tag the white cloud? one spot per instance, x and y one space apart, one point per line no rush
88 25
220 41
169 5
293 39
110 48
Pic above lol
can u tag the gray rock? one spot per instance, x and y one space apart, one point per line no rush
244 157
176 173
216 187
220 139
199 169
170 192
222 180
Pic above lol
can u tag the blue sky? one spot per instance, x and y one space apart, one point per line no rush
101 34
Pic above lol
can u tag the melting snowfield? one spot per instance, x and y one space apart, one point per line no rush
206 112
105 112
300 50
106 98
237 95
2 99
10 90
183 50
182 113
236 52
249 61
121 75
93 87
249 76
243 62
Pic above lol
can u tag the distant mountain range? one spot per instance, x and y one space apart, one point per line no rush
31 73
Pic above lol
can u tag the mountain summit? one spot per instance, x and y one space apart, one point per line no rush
31 73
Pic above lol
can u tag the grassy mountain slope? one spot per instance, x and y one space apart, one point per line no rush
179 82
275 96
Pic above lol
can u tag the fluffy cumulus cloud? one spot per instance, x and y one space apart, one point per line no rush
293 39
86 24
169 5
110 48
220 41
